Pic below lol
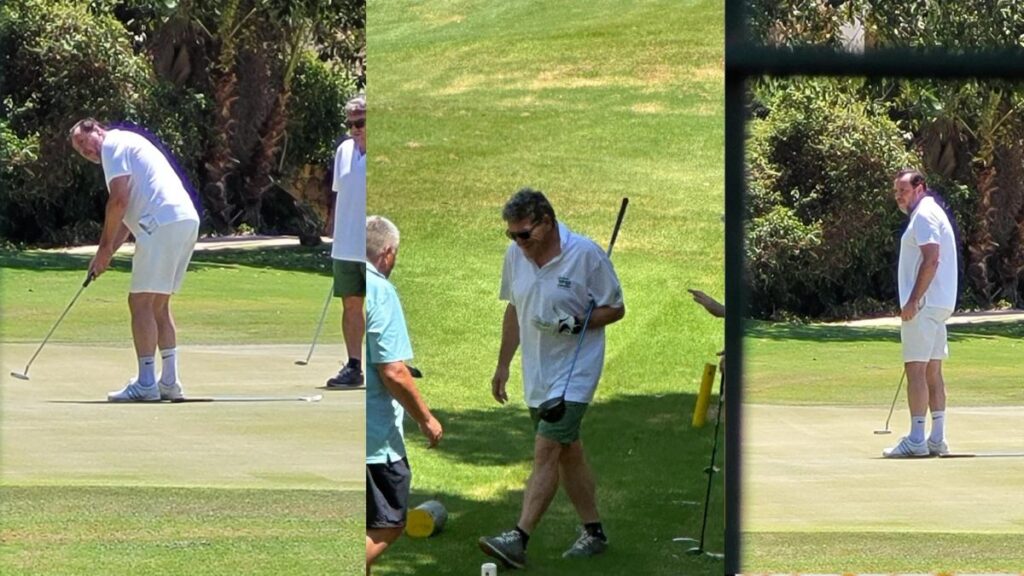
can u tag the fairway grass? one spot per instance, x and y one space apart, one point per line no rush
884 552
178 489
589 102
819 498
176 531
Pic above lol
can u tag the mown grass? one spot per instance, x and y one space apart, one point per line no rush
589 102
172 531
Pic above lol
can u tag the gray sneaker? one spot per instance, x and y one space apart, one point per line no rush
939 448
348 377
907 449
507 547
586 545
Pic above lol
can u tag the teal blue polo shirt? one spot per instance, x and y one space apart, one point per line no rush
387 340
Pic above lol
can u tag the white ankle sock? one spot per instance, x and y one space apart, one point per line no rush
938 426
917 428
169 374
147 371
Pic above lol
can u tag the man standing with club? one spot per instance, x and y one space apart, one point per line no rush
348 249
390 393
147 200
927 290
550 277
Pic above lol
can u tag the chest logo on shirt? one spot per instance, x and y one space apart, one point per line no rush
564 282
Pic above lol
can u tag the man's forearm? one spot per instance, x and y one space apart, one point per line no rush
400 384
509 337
605 315
925 275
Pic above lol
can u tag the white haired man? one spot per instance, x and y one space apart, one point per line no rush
390 394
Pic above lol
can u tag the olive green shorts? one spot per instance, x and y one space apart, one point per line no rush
566 430
349 278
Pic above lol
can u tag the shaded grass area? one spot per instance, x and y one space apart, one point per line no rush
240 296
91 530
844 365
883 552
651 489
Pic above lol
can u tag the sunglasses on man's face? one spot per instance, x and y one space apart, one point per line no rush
521 234
357 123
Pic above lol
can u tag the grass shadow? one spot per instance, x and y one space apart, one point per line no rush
649 466
825 333
292 258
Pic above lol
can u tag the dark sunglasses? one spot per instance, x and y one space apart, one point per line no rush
521 234
359 123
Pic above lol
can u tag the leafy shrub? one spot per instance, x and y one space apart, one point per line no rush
823 227
60 63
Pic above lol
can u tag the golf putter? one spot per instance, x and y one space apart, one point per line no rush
319 327
553 409
711 470
24 375
893 407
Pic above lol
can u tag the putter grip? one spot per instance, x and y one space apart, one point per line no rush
88 279
618 223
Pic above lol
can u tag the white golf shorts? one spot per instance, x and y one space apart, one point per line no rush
162 256
924 337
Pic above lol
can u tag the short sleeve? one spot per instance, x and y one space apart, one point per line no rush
927 228
116 161
603 284
338 155
387 339
505 293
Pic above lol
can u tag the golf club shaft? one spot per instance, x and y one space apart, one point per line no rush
88 279
320 324
618 224
894 398
714 453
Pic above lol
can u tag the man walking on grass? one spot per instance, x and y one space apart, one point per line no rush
147 200
348 248
390 393
549 278
927 289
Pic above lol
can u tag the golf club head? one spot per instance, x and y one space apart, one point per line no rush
301 363
19 375
695 551
880 432
552 410
414 371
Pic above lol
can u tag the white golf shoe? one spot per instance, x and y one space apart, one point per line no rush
171 392
939 448
135 392
907 449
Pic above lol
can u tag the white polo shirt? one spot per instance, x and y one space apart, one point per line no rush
929 225
350 203
157 195
580 273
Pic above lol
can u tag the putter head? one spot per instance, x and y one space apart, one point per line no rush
301 363
695 551
880 432
19 375
552 410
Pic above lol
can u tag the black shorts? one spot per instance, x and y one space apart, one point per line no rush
387 494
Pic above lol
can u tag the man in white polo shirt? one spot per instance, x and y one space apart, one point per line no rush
928 288
348 252
549 278
147 200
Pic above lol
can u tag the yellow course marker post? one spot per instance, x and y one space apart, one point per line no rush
700 411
